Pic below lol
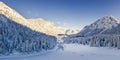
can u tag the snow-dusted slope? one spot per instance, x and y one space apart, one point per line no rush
12 14
100 26
15 16
47 27
106 22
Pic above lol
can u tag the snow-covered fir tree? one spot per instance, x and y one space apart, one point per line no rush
17 37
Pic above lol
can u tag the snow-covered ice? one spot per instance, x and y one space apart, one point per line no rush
71 52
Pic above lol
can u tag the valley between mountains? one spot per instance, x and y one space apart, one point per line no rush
39 39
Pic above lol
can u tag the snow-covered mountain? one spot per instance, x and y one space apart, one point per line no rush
105 32
18 35
39 25
47 27
15 16
100 26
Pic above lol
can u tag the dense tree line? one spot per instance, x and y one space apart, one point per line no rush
96 40
16 37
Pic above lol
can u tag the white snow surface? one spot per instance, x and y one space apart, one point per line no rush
71 52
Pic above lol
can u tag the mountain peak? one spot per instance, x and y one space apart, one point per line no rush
9 12
12 14
101 25
3 6
109 19
1 3
108 16
107 22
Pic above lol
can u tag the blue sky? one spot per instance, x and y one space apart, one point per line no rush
68 13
